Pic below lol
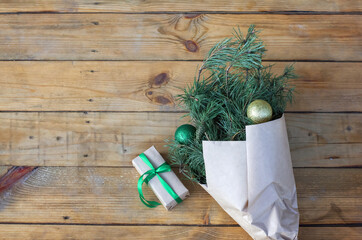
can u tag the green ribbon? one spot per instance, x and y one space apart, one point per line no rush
150 174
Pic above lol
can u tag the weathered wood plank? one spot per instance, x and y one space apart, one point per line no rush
178 6
120 232
174 36
109 195
114 139
39 232
326 233
151 86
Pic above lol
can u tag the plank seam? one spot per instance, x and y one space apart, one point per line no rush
196 12
172 225
165 112
175 60
173 167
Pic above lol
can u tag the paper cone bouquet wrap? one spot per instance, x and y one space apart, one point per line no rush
255 183
236 146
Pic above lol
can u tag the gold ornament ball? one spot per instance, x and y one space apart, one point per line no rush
259 111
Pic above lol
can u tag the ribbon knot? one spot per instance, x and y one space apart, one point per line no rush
151 174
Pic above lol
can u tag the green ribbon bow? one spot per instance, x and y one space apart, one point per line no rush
150 174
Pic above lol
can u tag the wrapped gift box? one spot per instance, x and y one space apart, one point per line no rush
172 180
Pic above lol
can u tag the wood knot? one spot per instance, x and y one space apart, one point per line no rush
160 80
159 97
335 208
206 220
162 100
191 46
192 15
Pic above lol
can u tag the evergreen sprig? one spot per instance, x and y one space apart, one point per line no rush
229 79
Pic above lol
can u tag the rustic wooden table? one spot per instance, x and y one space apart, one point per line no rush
88 85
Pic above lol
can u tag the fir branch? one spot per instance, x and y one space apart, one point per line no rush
229 79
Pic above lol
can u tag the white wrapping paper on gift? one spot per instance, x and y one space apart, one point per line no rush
172 180
253 181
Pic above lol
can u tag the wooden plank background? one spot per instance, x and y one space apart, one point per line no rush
137 6
174 36
114 138
85 86
151 85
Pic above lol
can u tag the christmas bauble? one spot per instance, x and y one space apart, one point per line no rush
185 133
259 111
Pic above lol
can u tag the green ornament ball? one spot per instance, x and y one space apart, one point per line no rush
259 111
185 133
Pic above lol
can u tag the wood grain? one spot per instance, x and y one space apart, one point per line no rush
330 233
114 139
109 196
13 176
178 6
151 86
174 36
40 232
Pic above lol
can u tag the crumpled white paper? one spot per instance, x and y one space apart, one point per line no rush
253 181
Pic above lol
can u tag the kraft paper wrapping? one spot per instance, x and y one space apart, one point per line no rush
253 181
170 177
